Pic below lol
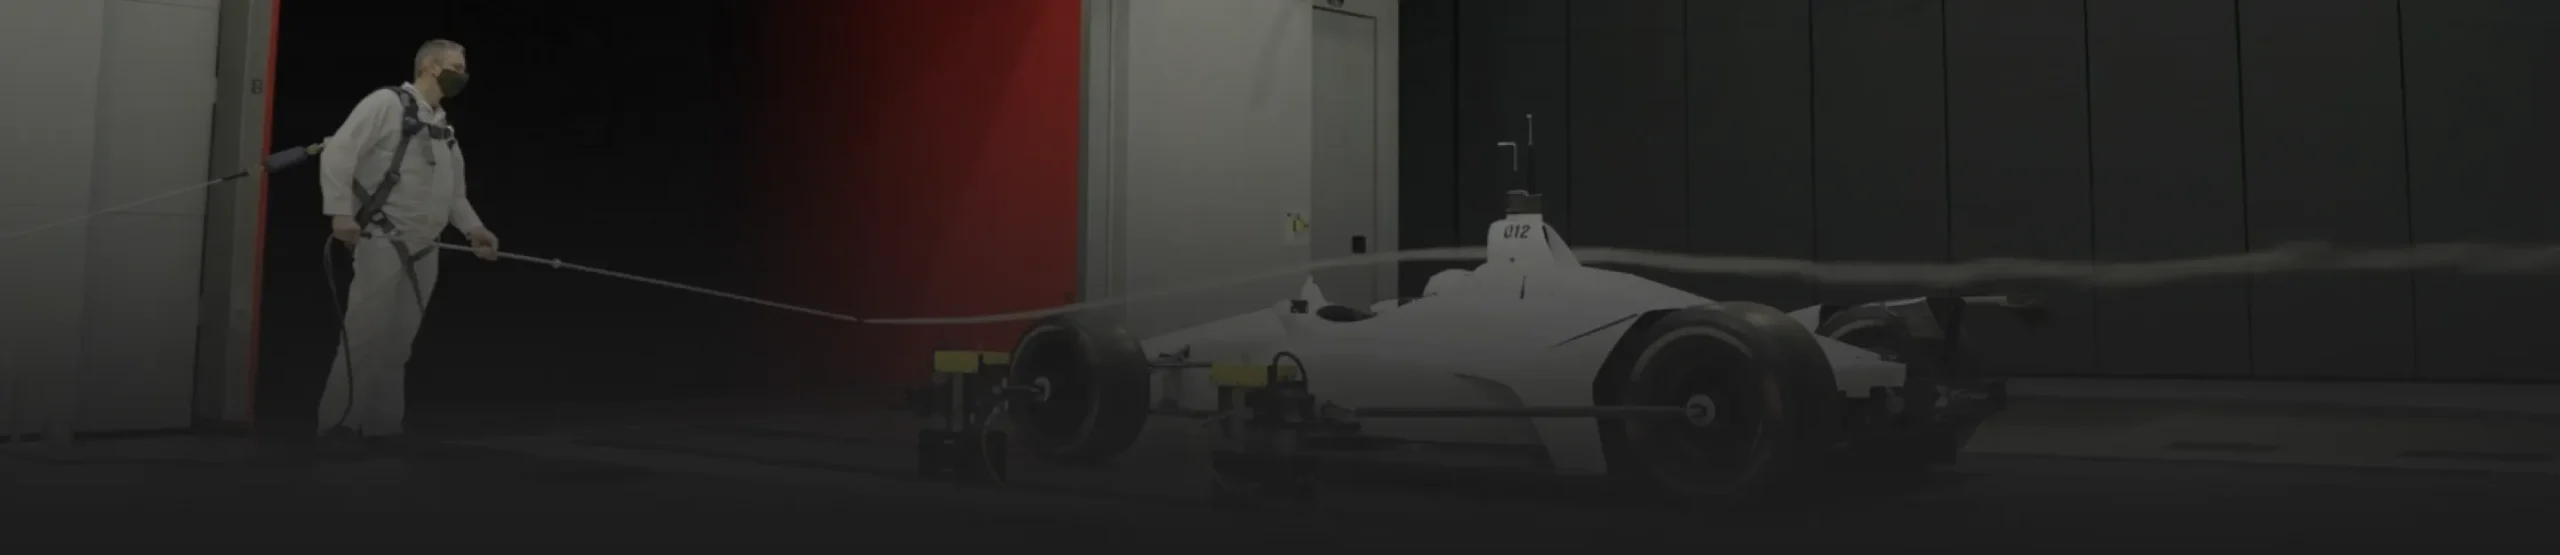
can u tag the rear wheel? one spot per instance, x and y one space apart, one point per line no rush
1754 384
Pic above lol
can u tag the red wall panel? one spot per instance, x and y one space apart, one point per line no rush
922 163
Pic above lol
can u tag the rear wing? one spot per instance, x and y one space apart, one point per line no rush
1950 330
1944 318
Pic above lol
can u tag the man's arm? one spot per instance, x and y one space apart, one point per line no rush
483 243
464 217
377 116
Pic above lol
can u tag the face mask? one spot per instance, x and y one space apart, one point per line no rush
451 82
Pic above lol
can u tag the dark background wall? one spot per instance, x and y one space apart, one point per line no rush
869 158
2109 130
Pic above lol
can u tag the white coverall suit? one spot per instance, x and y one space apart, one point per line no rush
383 307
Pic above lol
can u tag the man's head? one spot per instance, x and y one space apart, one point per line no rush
440 70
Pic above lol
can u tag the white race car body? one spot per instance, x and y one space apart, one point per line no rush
1531 327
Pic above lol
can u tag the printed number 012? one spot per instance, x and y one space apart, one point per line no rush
1520 231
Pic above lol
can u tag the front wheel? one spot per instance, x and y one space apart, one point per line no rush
1092 390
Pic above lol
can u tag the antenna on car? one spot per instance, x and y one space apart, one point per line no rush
1523 159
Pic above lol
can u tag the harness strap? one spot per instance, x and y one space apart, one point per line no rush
370 213
409 268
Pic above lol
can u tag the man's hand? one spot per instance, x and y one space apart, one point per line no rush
344 228
483 243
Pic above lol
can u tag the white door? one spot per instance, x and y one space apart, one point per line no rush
1344 218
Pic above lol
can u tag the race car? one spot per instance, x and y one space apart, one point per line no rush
1596 372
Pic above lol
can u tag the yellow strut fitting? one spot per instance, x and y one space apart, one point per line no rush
1247 375
968 362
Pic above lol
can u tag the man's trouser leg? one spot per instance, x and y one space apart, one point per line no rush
384 309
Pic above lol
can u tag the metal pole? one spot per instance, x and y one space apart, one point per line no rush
958 418
1519 412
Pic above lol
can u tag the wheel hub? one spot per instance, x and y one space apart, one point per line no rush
1700 410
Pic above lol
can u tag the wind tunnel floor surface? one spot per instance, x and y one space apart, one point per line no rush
670 474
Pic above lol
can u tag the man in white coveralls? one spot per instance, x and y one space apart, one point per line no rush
391 179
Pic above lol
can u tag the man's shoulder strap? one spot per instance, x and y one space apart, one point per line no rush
409 122
410 127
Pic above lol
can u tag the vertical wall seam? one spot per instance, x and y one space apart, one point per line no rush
2089 148
1532 139
1457 90
1119 106
1085 186
2240 111
1946 135
1812 146
2408 176
1688 139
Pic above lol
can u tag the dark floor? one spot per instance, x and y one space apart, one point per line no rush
634 477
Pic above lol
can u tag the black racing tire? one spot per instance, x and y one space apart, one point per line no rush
1875 328
1769 388
1096 384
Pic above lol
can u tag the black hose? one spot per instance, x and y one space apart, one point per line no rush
1303 374
346 343
985 427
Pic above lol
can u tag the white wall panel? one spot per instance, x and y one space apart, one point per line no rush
155 104
47 139
40 309
49 48
138 360
109 101
155 128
